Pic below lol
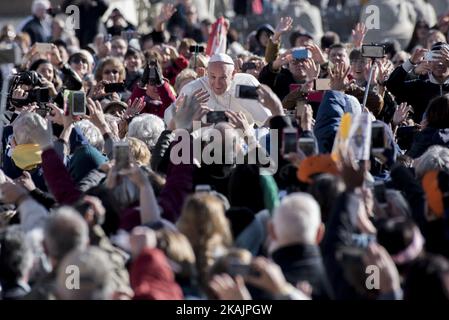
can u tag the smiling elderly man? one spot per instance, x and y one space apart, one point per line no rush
221 83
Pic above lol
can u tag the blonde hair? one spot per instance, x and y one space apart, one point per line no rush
201 61
139 151
204 223
177 248
183 76
110 61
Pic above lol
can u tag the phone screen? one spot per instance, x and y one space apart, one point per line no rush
377 137
247 92
78 103
121 155
290 140
114 87
216 117
307 146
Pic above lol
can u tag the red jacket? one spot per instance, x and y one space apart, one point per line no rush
152 278
58 178
155 107
176 67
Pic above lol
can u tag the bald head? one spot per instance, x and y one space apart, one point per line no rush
220 76
297 219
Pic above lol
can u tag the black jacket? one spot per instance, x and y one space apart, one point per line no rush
36 31
426 138
304 263
278 81
417 92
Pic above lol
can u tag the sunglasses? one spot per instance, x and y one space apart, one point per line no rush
78 60
113 71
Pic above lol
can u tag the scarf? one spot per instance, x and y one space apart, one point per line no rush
27 156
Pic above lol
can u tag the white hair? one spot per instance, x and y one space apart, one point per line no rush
435 158
64 232
37 4
297 219
146 127
91 133
96 279
25 125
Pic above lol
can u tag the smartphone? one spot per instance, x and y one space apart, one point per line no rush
294 87
114 87
246 92
380 192
299 108
78 103
289 140
321 84
308 146
301 54
378 142
121 155
196 49
373 51
43 47
237 268
216 117
203 188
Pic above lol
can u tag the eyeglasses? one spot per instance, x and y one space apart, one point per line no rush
78 60
113 71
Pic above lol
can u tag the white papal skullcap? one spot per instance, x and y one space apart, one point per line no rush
221 57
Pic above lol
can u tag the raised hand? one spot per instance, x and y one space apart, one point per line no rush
401 113
317 53
270 100
385 68
284 25
311 69
227 288
134 108
418 55
358 35
339 77
282 60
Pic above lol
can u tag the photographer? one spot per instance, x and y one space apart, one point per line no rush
155 89
418 92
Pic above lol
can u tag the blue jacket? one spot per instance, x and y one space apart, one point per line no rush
330 112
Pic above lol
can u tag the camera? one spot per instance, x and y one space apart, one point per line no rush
373 51
196 49
38 92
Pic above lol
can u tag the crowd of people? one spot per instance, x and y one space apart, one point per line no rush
335 185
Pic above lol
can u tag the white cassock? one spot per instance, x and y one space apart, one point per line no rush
254 111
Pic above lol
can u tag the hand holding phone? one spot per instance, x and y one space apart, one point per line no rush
216 117
121 155
246 92
289 140
114 87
